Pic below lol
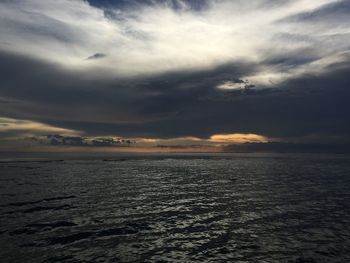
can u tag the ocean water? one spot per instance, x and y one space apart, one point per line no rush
176 208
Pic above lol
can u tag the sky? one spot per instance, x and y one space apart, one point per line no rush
173 75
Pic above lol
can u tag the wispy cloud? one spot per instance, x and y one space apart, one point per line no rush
157 38
17 127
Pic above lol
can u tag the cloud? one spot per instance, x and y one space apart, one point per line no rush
214 143
168 36
174 105
63 140
27 128
335 12
238 138
97 56
216 140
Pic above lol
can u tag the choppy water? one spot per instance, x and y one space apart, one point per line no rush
194 209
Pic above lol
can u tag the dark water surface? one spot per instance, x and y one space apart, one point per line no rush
219 208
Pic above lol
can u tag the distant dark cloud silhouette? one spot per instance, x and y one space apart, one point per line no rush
56 139
97 56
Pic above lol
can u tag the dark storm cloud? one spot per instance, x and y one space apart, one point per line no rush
51 92
304 106
177 104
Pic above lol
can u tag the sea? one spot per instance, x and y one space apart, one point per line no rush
292 208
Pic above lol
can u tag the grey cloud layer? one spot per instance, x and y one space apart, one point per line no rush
179 104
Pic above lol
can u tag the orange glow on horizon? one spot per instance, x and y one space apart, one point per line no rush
238 138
